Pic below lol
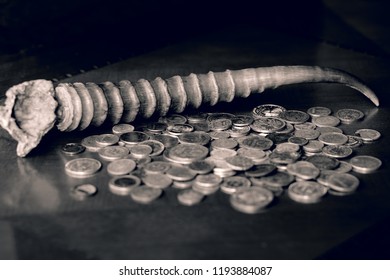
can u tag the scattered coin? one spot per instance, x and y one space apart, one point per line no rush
121 166
178 129
196 137
277 179
313 146
83 191
328 129
157 180
348 116
233 184
224 143
113 152
323 162
325 121
343 182
90 143
144 194
187 153
107 139
180 173
294 116
82 167
304 170
337 151
309 134
239 163
141 150
242 120
332 138
157 147
201 167
157 167
260 170
368 135
251 200
255 142
121 128
267 110
124 184
319 111
173 119
365 164
72 148
133 137
189 197
267 124
220 124
306 191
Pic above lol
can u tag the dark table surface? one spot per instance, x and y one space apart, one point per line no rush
40 220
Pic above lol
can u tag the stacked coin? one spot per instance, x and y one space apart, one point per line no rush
249 157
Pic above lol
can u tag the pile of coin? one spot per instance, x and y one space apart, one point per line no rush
250 157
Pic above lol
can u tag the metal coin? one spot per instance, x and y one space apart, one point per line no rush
72 148
183 184
306 125
289 128
255 142
300 141
124 184
260 170
294 116
201 167
267 124
216 116
144 194
187 153
113 152
337 151
326 121
304 170
328 129
343 182
82 167
222 153
122 128
278 179
197 137
348 116
333 138
156 127
365 164
323 162
107 139
81 192
219 134
178 129
251 200
197 117
353 141
121 166
180 173
306 191
189 197
220 124
253 154
133 137
224 143
344 167
233 184
239 163
157 147
167 140
368 135
208 180
242 120
173 119
313 146
309 134
156 167
90 143
319 111
284 157
267 110
157 180
141 150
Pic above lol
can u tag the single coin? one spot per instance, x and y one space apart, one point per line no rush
124 184
303 169
215 116
183 184
224 143
198 117
277 179
239 131
178 129
255 142
114 101
313 146
319 111
289 128
133 137
131 103
251 200
267 110
222 153
326 121
157 180
86 104
208 180
233 184
260 170
196 137
167 140
173 119
332 138
239 163
140 161
220 124
82 167
100 104
365 164
157 147
90 143
219 134
242 120
300 141
344 167
121 128
201 126
309 134
180 173
141 150
306 191
156 127
306 125
113 152
368 135
343 182
107 139
353 141
83 191
157 167
324 177
189 197
144 194
348 116
282 158
277 138
337 151
72 148
323 162
328 129
187 153
121 166
253 154
294 116
267 124
201 166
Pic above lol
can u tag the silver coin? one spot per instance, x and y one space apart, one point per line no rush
294 116
368 135
328 129
319 111
323 162
72 148
224 143
144 194
309 134
201 167
198 117
251 200
260 170
180 173
173 119
233 184
343 182
348 116
157 167
157 147
167 140
82 167
134 137
182 184
324 177
313 146
187 153
284 157
289 128
208 180
141 150
215 116
277 179
124 184
253 154
157 180
333 138
267 124
121 166
306 125
220 124
344 167
189 197
222 153
107 139
122 128
325 121
156 127
255 142
204 126
337 151
196 137
205 190
90 143
113 152
300 141
239 163
267 110
304 170
178 129
306 191
353 141
365 164
140 161
83 191
242 120
239 131
219 134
